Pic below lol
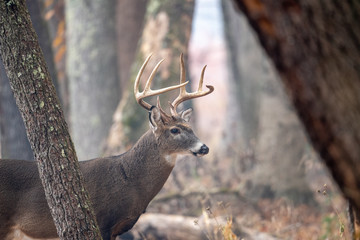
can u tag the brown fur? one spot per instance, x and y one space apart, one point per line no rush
120 187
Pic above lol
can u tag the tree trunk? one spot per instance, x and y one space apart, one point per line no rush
130 16
315 47
46 128
243 54
13 140
91 67
54 15
166 34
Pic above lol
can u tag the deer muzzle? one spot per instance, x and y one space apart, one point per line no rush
201 150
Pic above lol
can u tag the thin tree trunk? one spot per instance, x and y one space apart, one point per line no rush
130 15
91 67
243 53
46 128
315 47
54 15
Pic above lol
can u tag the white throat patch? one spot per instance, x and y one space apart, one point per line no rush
171 159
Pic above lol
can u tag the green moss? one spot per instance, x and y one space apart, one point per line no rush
11 3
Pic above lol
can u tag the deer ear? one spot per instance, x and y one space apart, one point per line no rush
154 118
186 114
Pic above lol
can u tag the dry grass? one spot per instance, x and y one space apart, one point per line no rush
282 220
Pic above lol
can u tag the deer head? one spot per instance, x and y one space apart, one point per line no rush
172 129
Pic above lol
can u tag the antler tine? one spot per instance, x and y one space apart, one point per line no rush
148 92
184 95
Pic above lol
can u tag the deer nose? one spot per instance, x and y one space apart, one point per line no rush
204 150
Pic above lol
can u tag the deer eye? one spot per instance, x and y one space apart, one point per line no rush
175 131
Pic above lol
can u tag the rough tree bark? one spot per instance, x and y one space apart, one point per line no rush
315 47
91 67
46 128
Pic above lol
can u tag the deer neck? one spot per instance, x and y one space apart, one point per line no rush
149 164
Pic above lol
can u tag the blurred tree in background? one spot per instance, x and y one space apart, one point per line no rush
130 16
270 126
91 56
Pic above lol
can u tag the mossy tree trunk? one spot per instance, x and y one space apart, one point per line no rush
166 34
46 128
315 48
92 73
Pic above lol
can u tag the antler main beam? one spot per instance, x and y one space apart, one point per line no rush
184 95
148 92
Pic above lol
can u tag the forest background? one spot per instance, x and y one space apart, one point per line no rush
262 171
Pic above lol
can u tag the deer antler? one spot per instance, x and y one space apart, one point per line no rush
147 92
184 95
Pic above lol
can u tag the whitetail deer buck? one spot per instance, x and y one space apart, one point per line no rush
120 187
